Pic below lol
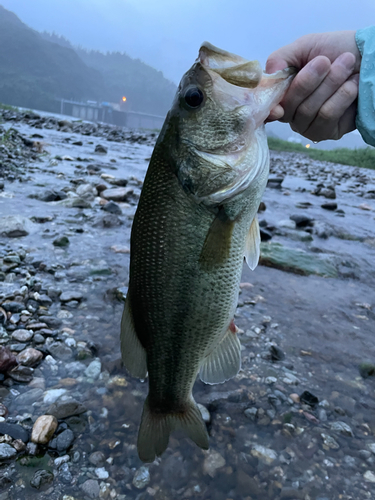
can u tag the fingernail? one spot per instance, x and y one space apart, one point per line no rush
347 60
319 66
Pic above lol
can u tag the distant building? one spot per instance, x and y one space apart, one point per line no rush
110 113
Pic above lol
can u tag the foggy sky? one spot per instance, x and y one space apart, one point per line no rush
167 33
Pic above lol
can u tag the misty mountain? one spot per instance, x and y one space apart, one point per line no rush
36 70
33 71
145 88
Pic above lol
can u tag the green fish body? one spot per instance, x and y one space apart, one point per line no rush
195 223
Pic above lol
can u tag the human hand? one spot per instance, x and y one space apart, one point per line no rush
321 101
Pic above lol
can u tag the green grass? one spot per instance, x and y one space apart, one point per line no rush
364 157
8 107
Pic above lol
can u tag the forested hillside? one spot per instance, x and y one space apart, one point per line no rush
37 70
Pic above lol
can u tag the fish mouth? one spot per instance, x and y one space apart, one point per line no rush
232 68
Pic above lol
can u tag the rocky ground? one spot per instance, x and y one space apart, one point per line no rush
298 422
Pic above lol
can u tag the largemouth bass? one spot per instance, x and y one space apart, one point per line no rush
195 223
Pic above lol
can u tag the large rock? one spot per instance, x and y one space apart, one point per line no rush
295 261
14 226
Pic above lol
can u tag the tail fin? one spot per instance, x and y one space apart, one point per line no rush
155 429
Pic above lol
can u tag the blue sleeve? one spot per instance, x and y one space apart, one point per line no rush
365 121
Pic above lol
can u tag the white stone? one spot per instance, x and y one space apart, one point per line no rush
205 413
94 369
265 455
287 223
52 395
212 462
369 476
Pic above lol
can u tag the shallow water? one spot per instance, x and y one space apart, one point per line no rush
323 325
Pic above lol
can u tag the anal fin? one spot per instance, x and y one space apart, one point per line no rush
224 362
252 247
133 353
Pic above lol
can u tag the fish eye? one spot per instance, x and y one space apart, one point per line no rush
194 97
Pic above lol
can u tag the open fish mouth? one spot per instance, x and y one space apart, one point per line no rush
232 68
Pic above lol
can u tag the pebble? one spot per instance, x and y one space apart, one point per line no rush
97 458
251 413
309 399
117 194
15 431
329 205
94 369
369 476
61 241
287 224
22 335
43 429
7 359
342 428
28 398
41 477
64 440
65 409
212 462
61 460
290 379
141 477
277 354
271 380
22 374
101 473
7 451
302 220
60 351
91 488
295 398
71 295
100 149
329 442
53 395
29 357
112 208
265 455
205 413
3 411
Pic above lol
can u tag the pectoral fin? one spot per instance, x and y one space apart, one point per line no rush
218 241
132 351
224 362
252 247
